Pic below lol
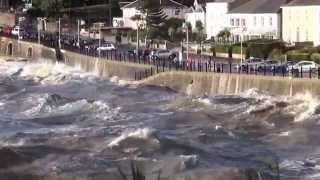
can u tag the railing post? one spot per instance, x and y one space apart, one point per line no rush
206 67
222 67
310 73
301 73
214 66
318 72
247 68
264 70
274 70
163 65
157 68
230 68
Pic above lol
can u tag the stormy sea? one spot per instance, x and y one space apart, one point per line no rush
60 123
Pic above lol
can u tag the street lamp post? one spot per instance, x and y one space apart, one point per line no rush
78 33
138 43
59 40
99 52
39 21
243 29
187 32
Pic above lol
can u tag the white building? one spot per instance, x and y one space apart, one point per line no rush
256 19
197 13
170 7
216 15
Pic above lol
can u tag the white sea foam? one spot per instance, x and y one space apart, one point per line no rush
20 142
205 101
188 161
141 133
306 108
302 106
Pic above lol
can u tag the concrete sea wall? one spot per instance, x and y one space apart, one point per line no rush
192 83
13 48
104 67
201 84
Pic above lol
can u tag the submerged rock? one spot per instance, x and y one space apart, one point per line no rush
9 158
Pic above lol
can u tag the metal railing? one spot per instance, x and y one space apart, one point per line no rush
158 65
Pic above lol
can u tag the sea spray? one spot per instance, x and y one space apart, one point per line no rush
141 133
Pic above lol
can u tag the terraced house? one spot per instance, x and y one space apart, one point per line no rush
301 21
256 19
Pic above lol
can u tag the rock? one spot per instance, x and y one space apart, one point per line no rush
9 158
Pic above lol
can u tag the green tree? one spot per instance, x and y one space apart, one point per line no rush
224 35
50 8
153 15
200 35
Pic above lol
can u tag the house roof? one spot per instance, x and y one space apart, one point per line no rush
232 3
303 3
164 3
259 7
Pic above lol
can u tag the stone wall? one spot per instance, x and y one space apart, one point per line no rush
13 48
192 83
200 84
104 67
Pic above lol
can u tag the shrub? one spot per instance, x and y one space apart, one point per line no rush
222 48
213 50
315 57
262 47
298 54
237 50
277 54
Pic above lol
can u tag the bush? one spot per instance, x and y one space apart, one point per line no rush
222 48
315 57
213 50
277 54
298 54
262 48
237 49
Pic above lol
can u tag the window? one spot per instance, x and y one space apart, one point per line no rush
262 21
255 21
177 12
270 21
232 22
238 22
243 22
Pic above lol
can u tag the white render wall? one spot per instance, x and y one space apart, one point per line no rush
268 24
216 18
194 17
128 13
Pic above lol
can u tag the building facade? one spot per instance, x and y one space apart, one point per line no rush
197 13
170 7
216 15
301 22
256 19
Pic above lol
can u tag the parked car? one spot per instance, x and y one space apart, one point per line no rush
305 66
106 47
267 65
251 63
15 31
162 54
